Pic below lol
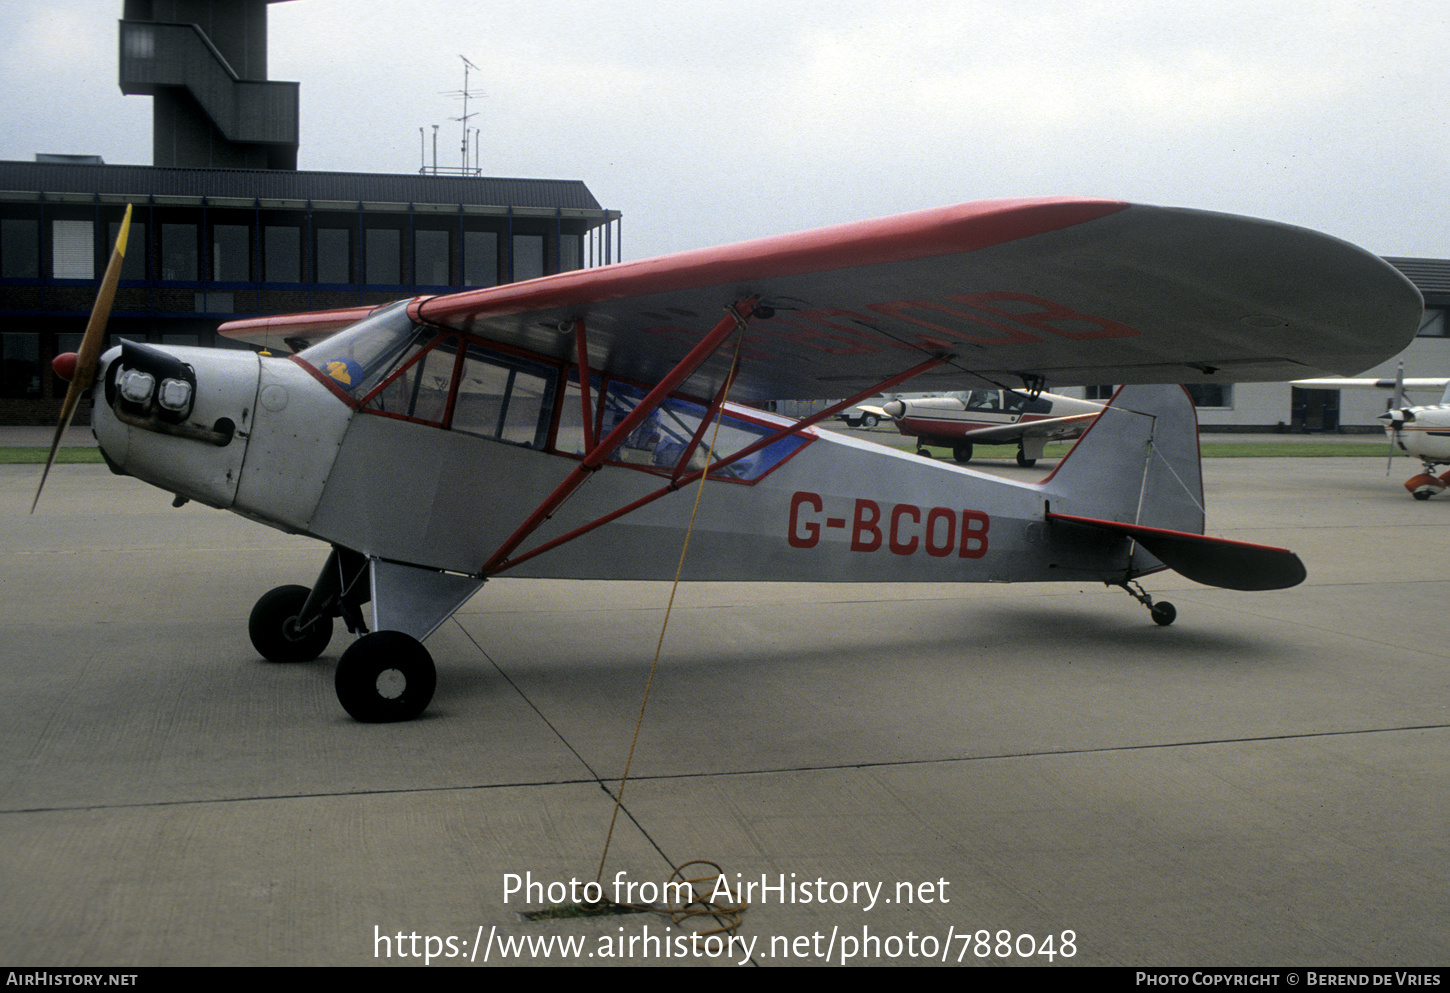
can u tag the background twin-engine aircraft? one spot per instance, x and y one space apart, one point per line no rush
544 428
1420 431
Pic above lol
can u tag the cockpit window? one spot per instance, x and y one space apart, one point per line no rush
361 356
505 398
419 391
659 443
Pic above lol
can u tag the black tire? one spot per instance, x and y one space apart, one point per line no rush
1024 461
853 422
870 421
273 627
1423 494
385 676
962 453
1163 613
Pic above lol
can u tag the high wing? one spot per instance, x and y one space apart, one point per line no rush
1047 428
1073 290
1383 383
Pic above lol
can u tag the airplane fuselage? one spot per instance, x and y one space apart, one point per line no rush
825 508
1424 433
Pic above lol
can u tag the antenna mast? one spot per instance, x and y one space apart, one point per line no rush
463 168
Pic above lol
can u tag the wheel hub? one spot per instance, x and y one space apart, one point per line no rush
391 683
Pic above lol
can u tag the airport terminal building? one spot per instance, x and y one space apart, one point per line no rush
210 245
225 226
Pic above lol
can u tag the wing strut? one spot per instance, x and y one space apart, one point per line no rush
500 561
736 318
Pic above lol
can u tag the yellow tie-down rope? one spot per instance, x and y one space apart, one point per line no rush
729 913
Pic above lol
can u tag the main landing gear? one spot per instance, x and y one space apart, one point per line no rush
385 676
276 633
1427 484
1163 612
382 676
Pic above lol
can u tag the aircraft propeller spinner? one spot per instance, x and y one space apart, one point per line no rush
80 367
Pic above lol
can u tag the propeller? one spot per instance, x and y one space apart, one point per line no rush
82 364
1396 415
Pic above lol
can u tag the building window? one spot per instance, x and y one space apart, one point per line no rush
528 256
480 258
178 252
20 365
19 248
1215 395
1101 392
1432 323
383 256
571 252
430 258
282 254
134 264
73 250
333 259
231 253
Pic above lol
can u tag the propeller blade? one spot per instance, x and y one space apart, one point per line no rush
90 350
1396 404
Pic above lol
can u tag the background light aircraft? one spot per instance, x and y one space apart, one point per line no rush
1422 432
991 417
544 428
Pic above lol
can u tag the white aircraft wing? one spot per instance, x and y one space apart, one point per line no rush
1047 428
1066 289
1413 383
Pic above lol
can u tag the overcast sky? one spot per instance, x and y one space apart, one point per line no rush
709 122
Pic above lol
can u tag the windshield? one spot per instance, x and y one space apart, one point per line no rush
360 356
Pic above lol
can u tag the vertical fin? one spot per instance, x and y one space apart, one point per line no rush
1137 464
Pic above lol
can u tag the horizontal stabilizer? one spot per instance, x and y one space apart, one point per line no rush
1231 565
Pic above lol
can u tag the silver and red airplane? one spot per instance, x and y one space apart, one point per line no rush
546 428
991 417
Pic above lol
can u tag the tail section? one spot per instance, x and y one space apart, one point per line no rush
1136 473
1136 464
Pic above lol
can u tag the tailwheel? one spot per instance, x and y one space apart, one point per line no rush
385 676
276 632
1163 613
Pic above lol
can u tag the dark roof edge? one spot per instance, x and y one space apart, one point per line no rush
66 177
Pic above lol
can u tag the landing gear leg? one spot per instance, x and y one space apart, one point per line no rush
1163 613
